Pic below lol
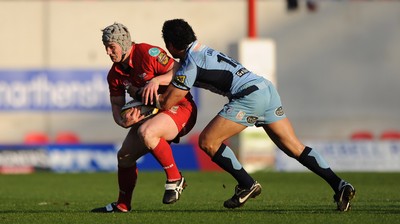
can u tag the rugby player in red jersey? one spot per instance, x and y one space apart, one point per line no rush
144 71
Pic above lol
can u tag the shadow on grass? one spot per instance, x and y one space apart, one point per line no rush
294 210
324 210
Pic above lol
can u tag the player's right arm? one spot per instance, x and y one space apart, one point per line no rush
117 97
129 118
117 102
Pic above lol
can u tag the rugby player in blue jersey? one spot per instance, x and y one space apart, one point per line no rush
253 100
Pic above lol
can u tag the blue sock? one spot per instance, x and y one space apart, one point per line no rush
226 159
314 162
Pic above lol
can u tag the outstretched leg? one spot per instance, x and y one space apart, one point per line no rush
282 134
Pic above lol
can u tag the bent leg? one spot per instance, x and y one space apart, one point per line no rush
155 134
211 141
160 126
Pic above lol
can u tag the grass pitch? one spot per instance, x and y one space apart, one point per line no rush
48 198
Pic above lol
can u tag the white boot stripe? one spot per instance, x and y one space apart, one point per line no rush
170 186
109 208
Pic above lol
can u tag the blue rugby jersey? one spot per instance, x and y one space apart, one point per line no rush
207 68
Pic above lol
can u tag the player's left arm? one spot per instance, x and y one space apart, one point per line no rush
150 90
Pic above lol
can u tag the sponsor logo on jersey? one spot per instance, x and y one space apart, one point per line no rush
163 58
228 110
154 51
240 115
241 72
209 52
174 109
251 119
180 79
279 111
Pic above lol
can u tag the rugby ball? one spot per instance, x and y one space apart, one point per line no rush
146 110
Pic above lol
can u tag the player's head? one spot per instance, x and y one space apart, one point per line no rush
119 34
178 33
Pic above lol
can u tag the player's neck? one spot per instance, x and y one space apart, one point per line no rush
125 60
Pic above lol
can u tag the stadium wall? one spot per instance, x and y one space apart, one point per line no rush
337 68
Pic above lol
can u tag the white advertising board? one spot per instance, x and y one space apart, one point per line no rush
374 156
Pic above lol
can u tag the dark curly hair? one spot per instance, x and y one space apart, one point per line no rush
179 33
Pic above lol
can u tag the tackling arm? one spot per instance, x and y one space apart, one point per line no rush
171 97
166 78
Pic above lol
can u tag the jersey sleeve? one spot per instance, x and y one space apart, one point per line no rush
114 85
185 76
160 61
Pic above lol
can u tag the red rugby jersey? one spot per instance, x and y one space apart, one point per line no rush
145 62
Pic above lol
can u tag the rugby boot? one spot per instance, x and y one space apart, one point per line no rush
242 195
343 197
173 190
110 208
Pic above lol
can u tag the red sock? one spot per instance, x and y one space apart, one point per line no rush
163 153
126 180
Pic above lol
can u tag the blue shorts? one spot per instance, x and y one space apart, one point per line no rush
262 106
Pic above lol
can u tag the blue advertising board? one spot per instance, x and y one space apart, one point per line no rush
82 157
54 90
184 154
63 158
57 89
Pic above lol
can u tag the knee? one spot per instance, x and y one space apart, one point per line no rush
208 145
293 151
150 136
125 159
141 132
146 133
